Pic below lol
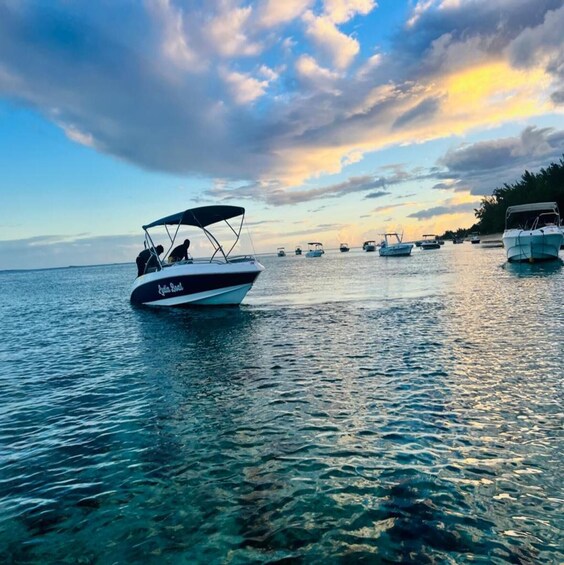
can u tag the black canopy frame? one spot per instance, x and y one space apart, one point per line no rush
201 217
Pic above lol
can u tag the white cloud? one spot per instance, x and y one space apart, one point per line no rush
332 43
75 134
174 42
341 11
316 76
245 88
276 12
228 33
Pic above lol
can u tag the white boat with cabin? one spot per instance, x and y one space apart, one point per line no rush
281 252
532 232
315 249
427 244
393 246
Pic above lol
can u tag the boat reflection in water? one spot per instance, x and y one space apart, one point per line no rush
221 280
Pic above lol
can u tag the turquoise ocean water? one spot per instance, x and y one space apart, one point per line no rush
353 409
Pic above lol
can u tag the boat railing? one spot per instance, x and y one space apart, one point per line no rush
215 261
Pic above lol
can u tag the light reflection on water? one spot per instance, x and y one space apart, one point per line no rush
355 407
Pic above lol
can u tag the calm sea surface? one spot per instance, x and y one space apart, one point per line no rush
353 409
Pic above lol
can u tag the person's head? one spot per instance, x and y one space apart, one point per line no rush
187 243
159 249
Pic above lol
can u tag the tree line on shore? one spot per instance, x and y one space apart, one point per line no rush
545 186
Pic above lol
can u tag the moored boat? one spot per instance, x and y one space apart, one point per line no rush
427 244
281 252
392 246
532 232
315 249
475 238
298 250
221 280
344 247
369 245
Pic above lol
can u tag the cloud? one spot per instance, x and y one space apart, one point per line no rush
48 251
426 109
341 11
338 47
444 210
378 194
315 76
227 31
244 87
274 12
543 44
483 166
184 88
276 194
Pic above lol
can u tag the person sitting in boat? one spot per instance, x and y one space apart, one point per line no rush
180 252
148 260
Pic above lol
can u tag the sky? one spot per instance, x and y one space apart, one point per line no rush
328 120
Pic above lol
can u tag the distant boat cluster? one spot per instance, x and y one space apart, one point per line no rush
533 232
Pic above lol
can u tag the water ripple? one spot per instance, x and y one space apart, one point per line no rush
419 422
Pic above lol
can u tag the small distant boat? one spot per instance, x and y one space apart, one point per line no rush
532 232
427 244
298 250
456 240
418 243
475 238
221 280
369 245
440 241
315 249
392 246
344 248
281 252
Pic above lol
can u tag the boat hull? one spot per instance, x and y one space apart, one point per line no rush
529 246
315 253
427 246
400 250
370 248
196 284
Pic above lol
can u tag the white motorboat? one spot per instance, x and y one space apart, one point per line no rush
427 244
369 245
220 280
392 246
344 248
315 249
475 238
281 252
532 232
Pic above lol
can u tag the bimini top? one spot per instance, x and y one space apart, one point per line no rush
552 206
199 217
315 243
